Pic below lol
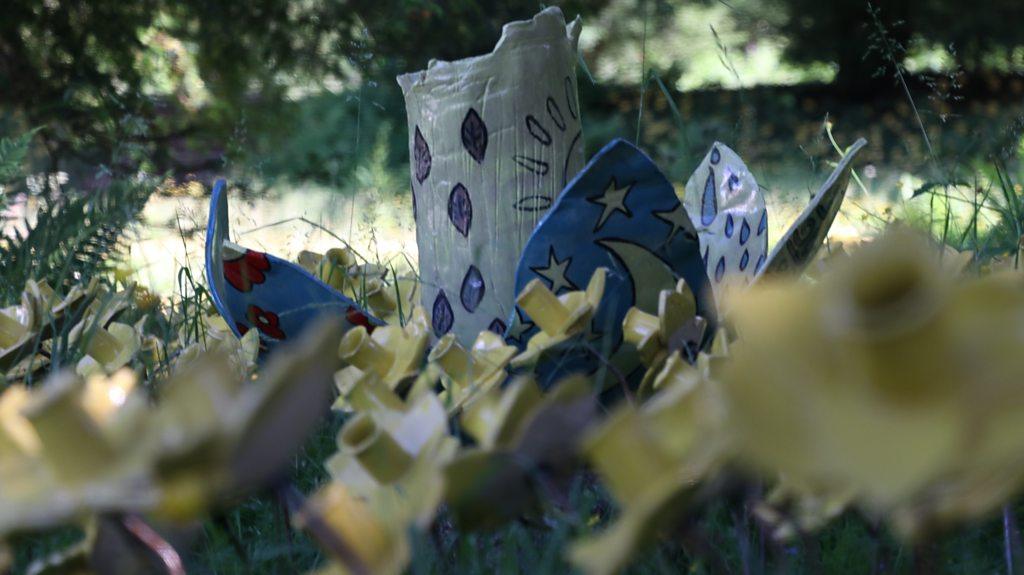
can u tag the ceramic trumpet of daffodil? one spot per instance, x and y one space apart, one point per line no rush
467 373
527 441
560 318
891 378
652 457
392 356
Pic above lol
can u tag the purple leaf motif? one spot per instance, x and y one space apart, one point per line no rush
460 209
421 156
442 317
474 135
472 292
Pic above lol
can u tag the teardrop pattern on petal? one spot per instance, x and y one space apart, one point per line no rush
744 260
720 269
460 209
442 317
729 226
709 201
716 156
759 264
744 232
472 292
761 227
421 156
474 135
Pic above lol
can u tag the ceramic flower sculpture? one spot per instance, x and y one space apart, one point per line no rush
255 290
492 142
723 196
724 200
872 380
620 213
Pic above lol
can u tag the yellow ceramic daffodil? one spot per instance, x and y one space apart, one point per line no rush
472 372
523 435
386 476
53 310
560 318
66 448
17 331
216 336
392 354
891 378
214 434
790 510
683 438
106 349
676 328
333 268
362 535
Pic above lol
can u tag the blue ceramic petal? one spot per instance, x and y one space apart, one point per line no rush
253 289
620 213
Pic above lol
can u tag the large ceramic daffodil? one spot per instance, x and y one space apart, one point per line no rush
386 478
652 458
890 378
215 436
560 318
391 355
469 373
71 446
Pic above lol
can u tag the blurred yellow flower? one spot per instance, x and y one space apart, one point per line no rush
891 378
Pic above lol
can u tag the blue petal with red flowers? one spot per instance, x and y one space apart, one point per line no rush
252 289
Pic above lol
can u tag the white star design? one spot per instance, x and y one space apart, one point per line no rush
678 219
555 272
519 327
613 200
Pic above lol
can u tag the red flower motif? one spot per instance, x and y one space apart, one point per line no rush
356 317
266 321
247 270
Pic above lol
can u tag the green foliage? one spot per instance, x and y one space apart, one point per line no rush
74 238
841 32
80 67
12 156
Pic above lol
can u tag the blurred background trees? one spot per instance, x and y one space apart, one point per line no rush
190 85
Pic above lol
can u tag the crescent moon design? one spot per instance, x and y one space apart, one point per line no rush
648 273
